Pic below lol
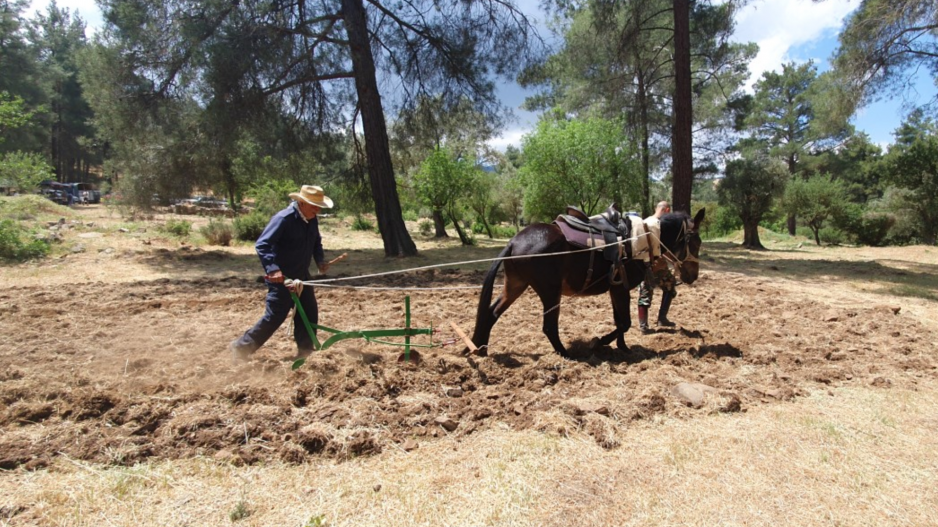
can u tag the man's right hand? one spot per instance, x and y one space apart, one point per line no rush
275 277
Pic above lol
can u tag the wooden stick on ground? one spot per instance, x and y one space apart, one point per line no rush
337 259
472 347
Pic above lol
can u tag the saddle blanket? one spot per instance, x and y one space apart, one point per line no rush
643 244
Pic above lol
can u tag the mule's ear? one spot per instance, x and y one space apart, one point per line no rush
699 218
615 206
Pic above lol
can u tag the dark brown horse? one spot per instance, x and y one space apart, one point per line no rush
565 274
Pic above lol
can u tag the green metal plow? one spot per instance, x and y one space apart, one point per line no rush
370 335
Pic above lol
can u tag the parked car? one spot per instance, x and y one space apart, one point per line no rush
86 193
57 192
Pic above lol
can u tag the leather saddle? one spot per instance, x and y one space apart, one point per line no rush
606 229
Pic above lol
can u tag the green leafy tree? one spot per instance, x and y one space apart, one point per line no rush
750 187
440 183
815 200
885 44
12 115
784 120
319 62
581 162
914 168
617 60
24 171
58 38
19 76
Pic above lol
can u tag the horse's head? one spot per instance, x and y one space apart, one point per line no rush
681 239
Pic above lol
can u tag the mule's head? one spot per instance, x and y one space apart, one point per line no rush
680 236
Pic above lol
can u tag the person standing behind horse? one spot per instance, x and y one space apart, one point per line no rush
666 281
287 247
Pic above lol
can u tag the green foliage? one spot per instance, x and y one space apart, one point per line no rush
443 181
24 171
884 44
426 227
218 232
831 236
250 226
719 221
271 196
503 231
750 187
316 521
30 206
361 223
181 228
16 243
12 114
410 215
914 168
239 512
815 200
587 162
785 117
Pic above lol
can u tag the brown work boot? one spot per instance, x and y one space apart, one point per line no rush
643 320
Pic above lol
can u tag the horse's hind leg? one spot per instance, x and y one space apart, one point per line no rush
511 291
550 298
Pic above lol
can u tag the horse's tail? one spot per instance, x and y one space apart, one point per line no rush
485 317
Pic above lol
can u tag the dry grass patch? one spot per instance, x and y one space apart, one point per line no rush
854 456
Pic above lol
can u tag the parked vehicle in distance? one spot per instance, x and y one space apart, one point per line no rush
57 192
86 193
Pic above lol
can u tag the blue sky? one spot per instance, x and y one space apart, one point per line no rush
785 30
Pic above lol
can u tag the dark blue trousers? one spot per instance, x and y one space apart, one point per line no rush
278 307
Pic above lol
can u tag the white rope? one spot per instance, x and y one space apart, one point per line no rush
386 273
376 288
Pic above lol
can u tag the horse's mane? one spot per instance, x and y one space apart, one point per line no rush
671 226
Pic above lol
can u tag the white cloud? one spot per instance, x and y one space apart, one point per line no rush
87 9
508 137
779 25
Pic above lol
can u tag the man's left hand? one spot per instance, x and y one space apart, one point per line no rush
323 267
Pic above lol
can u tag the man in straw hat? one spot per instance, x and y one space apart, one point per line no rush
287 247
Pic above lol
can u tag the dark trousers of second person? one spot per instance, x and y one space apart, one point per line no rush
278 307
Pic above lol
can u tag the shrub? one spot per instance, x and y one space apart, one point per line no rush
218 233
504 231
426 227
410 215
831 235
250 226
15 244
724 221
361 223
180 228
478 228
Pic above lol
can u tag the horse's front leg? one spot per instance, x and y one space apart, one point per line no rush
621 316
550 299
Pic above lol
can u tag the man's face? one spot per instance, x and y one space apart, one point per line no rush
309 211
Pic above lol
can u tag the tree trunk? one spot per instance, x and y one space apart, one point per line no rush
792 219
463 237
751 235
646 155
439 224
488 228
682 158
397 241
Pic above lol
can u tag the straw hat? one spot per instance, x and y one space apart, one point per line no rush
313 195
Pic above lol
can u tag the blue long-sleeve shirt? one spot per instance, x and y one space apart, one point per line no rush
290 243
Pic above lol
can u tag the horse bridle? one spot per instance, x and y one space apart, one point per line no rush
672 258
